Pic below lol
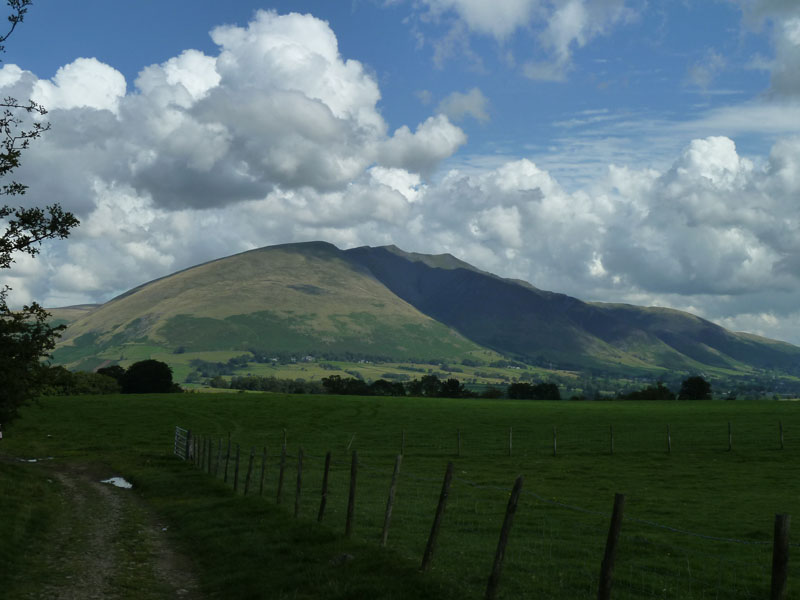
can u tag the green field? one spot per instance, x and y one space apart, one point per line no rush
698 521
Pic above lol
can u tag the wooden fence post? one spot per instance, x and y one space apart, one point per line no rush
188 441
281 470
323 500
299 483
351 499
494 577
780 557
236 470
437 520
607 566
249 470
390 501
611 435
227 458
263 471
555 440
219 456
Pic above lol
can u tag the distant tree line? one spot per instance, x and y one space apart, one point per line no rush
143 377
255 383
692 388
533 391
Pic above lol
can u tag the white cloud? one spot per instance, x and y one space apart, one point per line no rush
457 105
499 18
559 27
784 18
433 141
85 82
182 80
278 109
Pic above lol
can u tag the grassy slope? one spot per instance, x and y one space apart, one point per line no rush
300 298
555 550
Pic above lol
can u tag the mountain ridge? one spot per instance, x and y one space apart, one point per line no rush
384 301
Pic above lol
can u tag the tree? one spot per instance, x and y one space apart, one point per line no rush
148 377
115 371
695 388
25 335
651 392
58 381
538 391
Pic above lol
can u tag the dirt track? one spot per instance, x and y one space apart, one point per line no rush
108 545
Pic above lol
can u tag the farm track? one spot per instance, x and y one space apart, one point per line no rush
107 544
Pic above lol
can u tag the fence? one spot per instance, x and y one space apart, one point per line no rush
556 549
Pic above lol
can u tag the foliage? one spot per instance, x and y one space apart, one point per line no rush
695 388
534 391
651 392
115 371
492 392
273 384
213 369
148 377
58 381
25 335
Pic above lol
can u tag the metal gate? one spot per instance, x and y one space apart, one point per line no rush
183 439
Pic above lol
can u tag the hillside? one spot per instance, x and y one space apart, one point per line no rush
383 303
302 298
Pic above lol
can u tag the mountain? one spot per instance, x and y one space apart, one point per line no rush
314 298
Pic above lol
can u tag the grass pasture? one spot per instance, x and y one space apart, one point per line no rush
698 521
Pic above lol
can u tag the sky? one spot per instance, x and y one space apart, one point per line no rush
614 150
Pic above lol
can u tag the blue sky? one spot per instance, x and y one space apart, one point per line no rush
613 150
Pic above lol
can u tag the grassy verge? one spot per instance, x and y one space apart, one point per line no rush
30 503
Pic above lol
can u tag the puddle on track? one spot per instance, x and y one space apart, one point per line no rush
118 482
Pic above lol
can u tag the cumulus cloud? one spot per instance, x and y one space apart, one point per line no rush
433 141
457 106
85 82
277 109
